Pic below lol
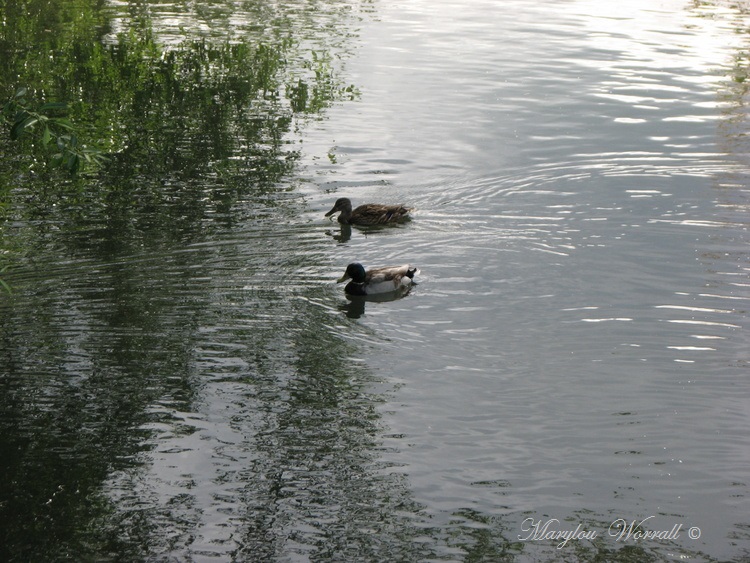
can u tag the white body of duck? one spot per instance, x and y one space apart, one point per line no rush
377 280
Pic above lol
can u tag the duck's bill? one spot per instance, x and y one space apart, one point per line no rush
342 278
331 212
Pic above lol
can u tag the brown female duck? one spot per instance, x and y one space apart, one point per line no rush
369 213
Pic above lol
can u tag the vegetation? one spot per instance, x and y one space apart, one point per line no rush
47 126
100 113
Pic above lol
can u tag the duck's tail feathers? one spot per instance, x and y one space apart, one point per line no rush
411 272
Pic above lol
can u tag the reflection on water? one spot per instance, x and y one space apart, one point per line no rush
183 379
342 234
355 307
580 262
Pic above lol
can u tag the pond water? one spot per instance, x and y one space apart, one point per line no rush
573 358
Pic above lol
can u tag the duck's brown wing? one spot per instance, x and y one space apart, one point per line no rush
389 273
377 214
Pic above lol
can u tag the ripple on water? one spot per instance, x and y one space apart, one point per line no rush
575 346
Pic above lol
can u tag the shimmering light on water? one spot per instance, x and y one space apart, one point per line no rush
568 186
574 349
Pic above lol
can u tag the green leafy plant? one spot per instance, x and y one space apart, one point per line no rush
48 126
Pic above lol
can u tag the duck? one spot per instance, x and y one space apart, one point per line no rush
368 213
377 280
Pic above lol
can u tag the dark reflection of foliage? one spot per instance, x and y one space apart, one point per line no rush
317 489
66 421
483 538
203 111
735 88
192 131
47 127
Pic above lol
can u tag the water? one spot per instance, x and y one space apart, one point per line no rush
574 351
582 228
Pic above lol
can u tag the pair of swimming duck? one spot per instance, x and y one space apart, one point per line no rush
384 279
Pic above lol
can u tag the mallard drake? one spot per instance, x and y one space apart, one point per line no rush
377 280
369 213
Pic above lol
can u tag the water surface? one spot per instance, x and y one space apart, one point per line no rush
198 388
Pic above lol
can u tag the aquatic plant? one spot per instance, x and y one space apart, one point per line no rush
49 128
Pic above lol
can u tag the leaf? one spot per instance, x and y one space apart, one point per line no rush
54 105
96 157
65 123
21 92
20 126
46 136
73 163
